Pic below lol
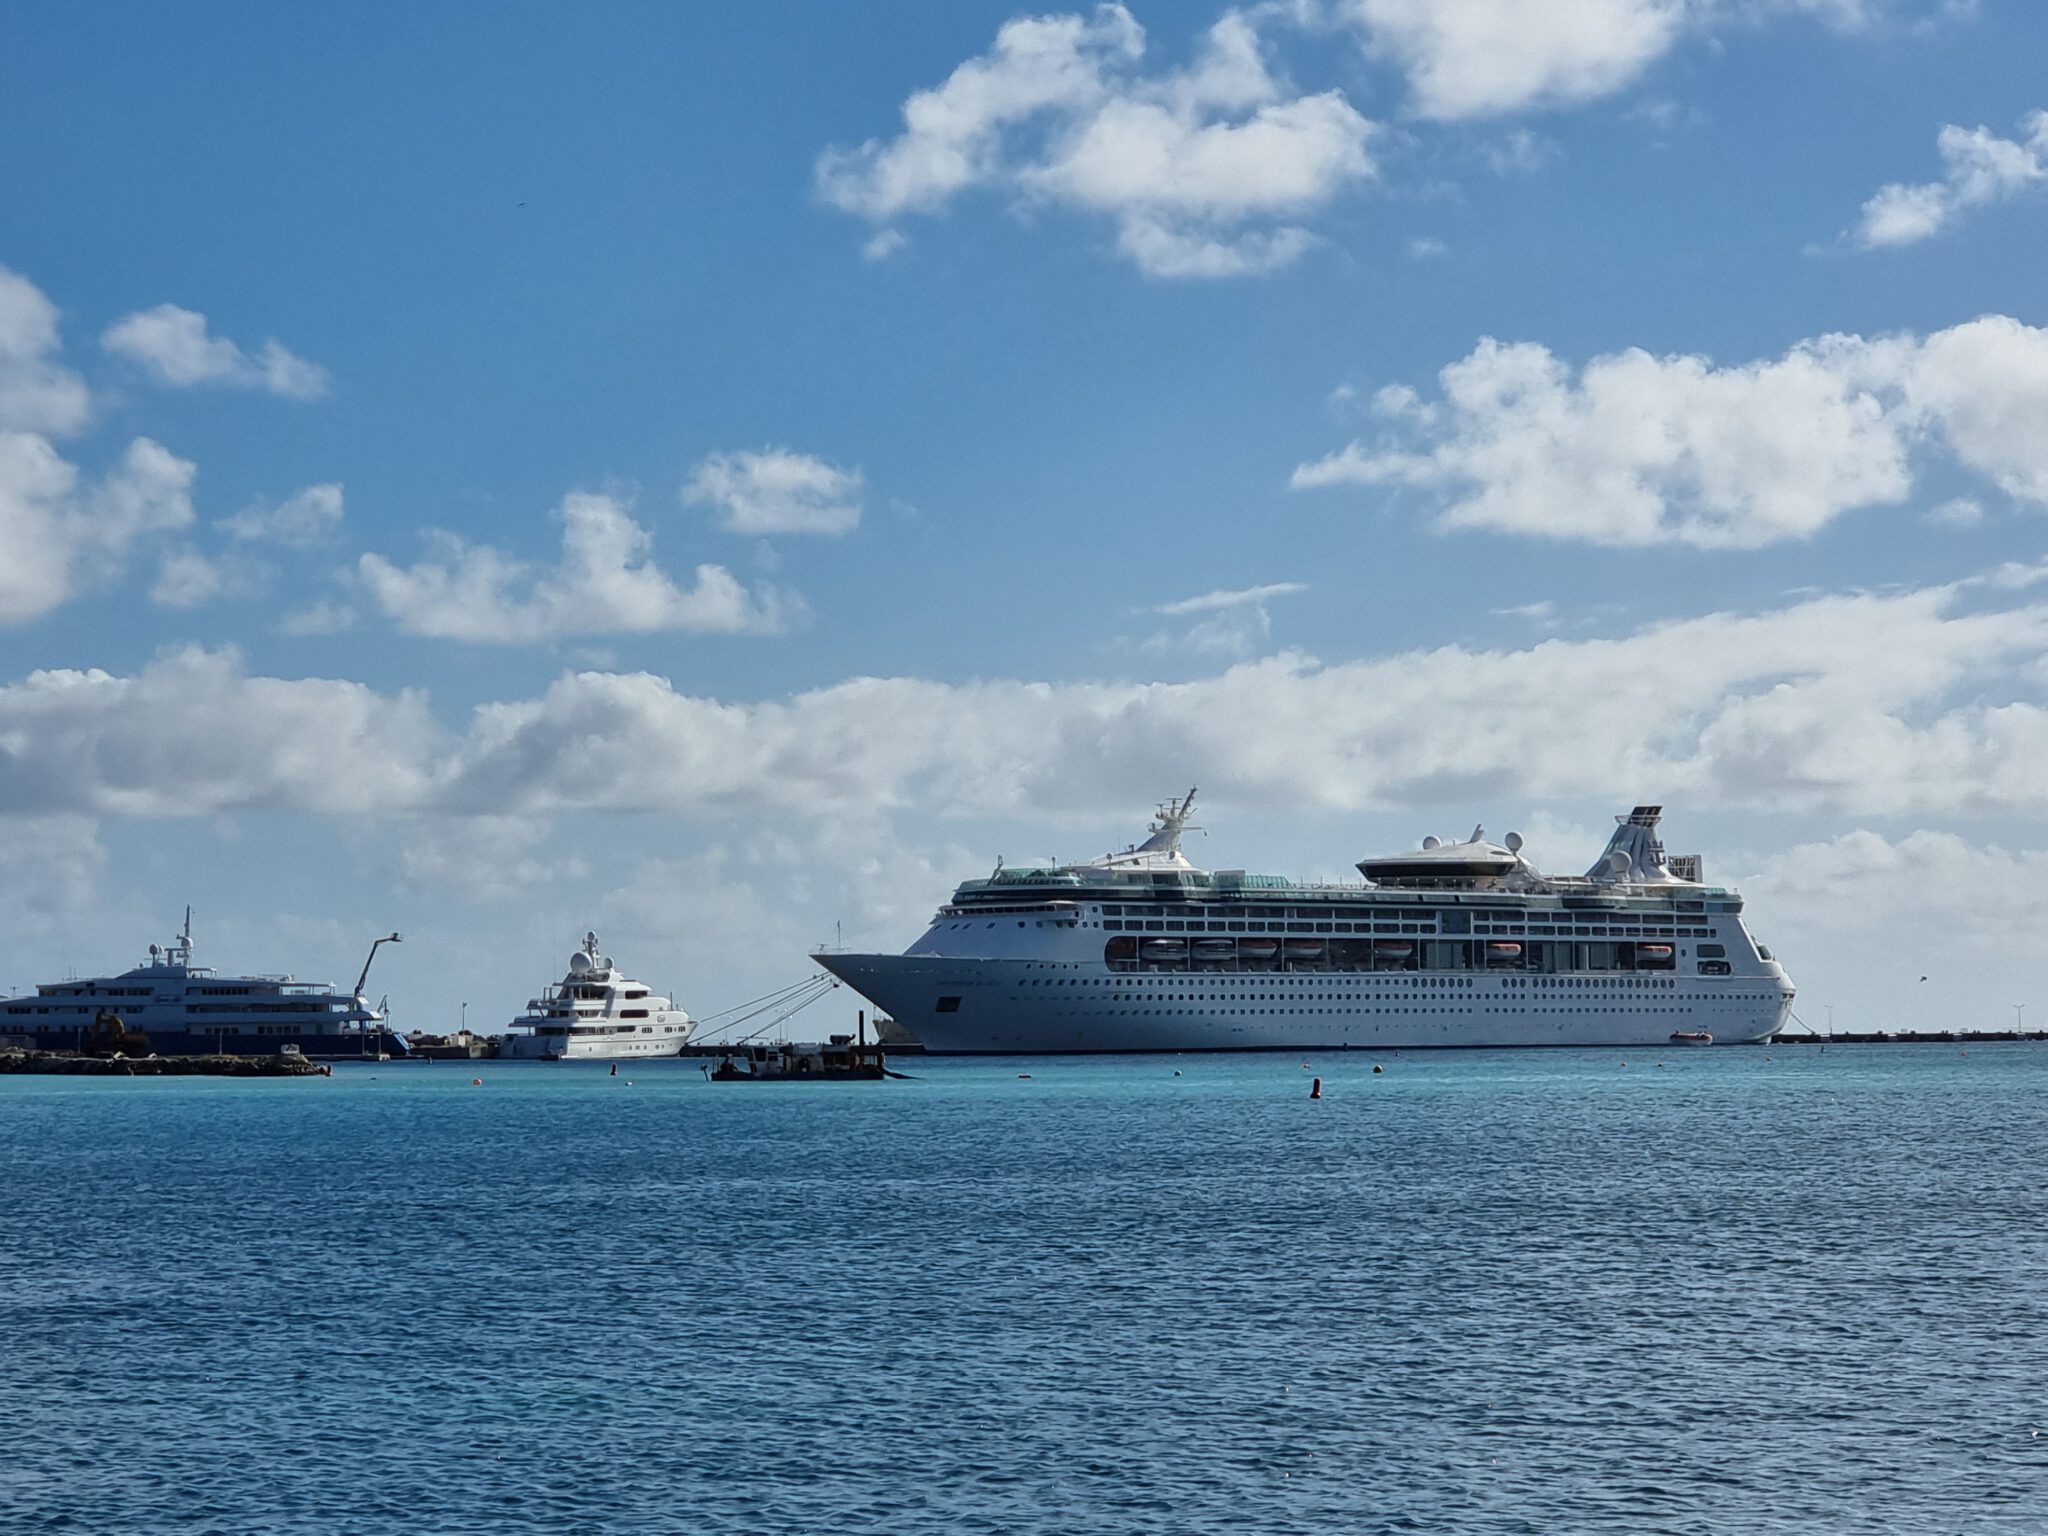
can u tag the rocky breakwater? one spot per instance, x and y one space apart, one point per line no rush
70 1064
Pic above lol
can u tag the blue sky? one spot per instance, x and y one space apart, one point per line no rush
1388 416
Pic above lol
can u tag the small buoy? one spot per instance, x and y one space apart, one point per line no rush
1315 1089
615 1069
1176 1071
476 1082
1378 1068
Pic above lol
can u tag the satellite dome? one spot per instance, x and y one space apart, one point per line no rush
579 963
1431 843
1512 842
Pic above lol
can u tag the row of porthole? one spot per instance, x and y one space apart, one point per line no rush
1561 983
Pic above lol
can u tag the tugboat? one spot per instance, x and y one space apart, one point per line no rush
842 1059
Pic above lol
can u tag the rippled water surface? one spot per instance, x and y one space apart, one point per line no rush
1716 1291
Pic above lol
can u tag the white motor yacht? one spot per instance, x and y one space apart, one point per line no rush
596 1013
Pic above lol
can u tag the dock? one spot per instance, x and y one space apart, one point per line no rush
1913 1037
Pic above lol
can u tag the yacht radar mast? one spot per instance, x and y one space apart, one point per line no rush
180 953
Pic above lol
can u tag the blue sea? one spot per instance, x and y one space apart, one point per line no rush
1729 1290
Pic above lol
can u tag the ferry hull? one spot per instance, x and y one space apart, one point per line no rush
963 1006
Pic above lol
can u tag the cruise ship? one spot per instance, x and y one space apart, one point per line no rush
1451 944
596 1013
183 1009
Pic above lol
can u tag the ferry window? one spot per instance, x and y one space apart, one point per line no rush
633 1013
947 1005
1763 952
1713 952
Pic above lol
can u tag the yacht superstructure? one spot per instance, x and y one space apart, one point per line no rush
1451 944
596 1013
185 1009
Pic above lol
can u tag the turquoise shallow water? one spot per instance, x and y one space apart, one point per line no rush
1743 1290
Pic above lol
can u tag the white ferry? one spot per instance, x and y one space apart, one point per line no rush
596 1013
183 1009
1454 944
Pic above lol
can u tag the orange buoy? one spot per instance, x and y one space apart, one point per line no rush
476 1082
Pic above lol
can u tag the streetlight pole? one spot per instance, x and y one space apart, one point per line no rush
2019 1021
465 1018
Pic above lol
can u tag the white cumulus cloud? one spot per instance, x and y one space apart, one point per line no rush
604 582
1978 167
1912 702
1485 58
1636 449
37 393
777 491
58 525
58 528
325 617
1203 169
307 517
174 346
1477 58
190 578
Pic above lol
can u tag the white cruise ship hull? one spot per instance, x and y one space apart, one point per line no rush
973 1006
